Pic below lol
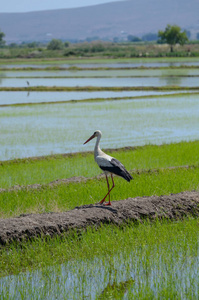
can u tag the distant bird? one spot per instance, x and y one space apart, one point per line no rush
28 83
108 164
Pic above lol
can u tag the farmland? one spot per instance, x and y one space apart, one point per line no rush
149 119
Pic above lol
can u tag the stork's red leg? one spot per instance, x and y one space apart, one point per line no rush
109 190
102 201
109 203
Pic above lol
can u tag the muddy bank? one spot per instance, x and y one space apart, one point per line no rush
173 206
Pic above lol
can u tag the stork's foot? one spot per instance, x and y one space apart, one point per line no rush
104 203
108 203
101 202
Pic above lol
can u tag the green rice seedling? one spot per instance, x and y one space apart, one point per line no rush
50 61
150 260
63 197
49 168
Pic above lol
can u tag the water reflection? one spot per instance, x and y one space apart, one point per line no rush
173 81
2 75
128 275
115 290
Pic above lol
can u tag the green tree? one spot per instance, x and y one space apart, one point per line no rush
66 44
132 38
2 42
172 35
55 45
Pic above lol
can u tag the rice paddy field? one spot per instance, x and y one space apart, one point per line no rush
154 133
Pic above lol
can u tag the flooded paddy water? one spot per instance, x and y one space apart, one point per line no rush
110 63
9 98
50 128
139 271
62 128
100 73
90 279
102 82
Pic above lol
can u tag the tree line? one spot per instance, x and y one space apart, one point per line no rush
172 35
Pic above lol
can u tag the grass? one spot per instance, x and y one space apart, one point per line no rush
161 258
71 61
48 168
160 262
66 196
150 166
146 261
99 68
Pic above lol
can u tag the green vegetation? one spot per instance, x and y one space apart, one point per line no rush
172 35
2 35
48 168
66 196
98 49
57 45
160 262
147 46
150 166
161 258
98 88
72 62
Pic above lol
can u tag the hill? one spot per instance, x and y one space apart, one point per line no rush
105 21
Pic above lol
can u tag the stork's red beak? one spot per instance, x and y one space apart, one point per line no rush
90 138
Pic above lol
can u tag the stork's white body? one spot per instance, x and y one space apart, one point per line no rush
108 164
101 158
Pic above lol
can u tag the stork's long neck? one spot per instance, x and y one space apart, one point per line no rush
97 150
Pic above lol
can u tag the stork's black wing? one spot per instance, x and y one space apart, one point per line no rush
116 167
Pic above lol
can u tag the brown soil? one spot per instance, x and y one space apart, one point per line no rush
174 206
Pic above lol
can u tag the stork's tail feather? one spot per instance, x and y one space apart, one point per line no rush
126 175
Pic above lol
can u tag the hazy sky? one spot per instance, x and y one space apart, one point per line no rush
33 5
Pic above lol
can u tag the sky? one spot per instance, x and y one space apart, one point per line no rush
35 5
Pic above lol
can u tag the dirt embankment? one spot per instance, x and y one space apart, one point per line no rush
173 206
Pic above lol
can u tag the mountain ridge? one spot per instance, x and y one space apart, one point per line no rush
105 21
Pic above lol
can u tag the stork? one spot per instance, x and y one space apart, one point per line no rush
108 164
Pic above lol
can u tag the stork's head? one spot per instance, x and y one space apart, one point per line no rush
95 134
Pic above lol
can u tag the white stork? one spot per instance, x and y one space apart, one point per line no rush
108 164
